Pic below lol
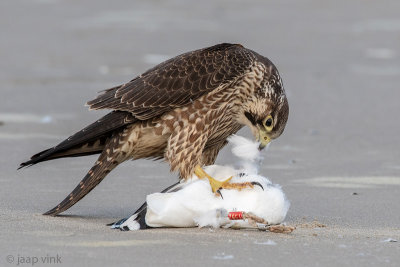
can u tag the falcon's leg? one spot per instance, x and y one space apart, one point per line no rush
216 185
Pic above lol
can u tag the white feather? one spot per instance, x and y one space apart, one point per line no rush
244 148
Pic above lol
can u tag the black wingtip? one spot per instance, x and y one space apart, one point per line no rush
118 223
39 157
24 165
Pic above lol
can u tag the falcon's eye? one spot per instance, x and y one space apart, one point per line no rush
268 123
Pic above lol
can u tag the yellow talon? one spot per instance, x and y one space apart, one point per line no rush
215 184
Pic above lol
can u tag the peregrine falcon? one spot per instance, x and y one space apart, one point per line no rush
182 110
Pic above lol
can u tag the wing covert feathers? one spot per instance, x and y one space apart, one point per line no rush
178 81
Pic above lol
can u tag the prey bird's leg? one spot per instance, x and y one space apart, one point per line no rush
240 186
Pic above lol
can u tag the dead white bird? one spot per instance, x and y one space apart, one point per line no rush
192 203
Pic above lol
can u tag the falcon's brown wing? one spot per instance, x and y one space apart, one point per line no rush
178 81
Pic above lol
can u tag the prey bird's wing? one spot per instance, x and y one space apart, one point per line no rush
140 214
178 81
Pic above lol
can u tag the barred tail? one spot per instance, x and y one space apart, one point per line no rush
88 141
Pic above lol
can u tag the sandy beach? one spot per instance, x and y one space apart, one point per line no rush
338 160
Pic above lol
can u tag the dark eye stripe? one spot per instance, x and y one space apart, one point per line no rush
251 118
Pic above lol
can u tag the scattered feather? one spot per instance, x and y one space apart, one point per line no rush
389 240
269 242
222 256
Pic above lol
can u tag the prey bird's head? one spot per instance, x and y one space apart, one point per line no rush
266 111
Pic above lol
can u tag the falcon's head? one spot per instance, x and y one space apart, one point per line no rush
266 111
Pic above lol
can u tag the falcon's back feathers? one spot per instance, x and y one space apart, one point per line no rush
178 81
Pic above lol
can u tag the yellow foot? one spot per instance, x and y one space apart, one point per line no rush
217 185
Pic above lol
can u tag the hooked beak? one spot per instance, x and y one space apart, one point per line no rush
264 140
